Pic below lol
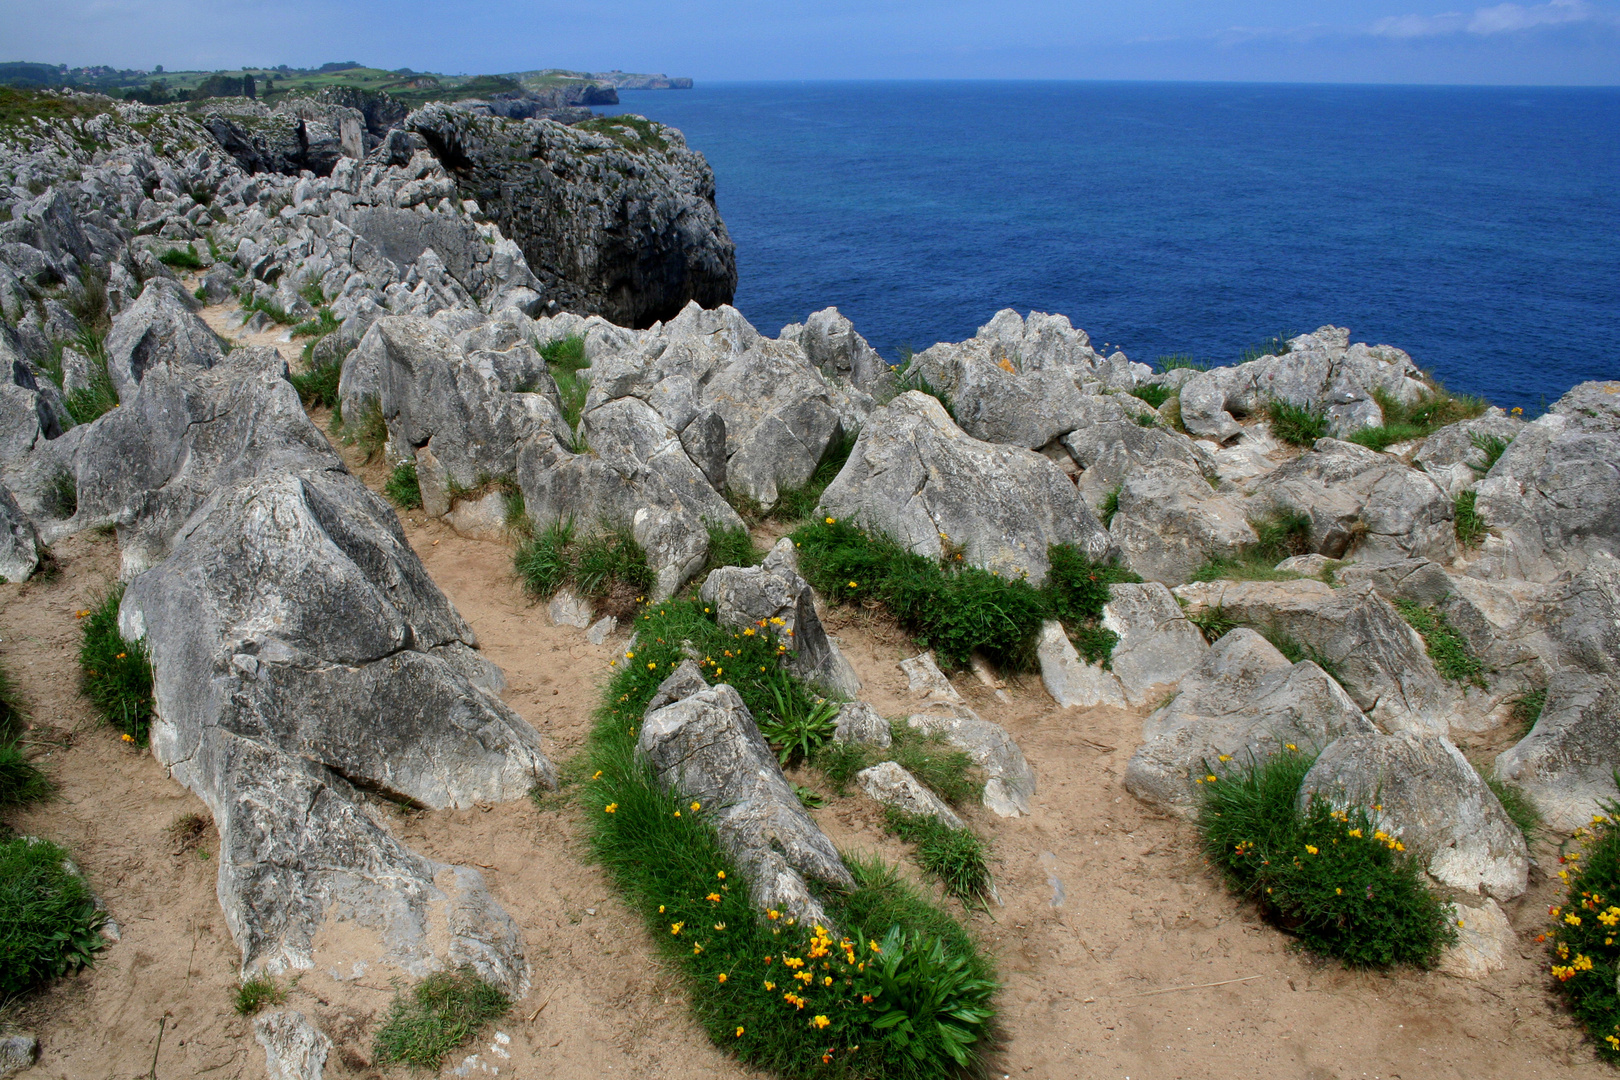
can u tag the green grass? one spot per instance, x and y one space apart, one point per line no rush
86 403
956 609
1403 423
17 105
1491 448
731 546
439 1014
1280 534
1445 646
630 132
276 312
1294 651
311 293
796 504
256 993
565 359
20 781
49 925
403 489
1297 425
1271 346
942 768
1585 960
1527 710
318 385
607 565
13 709
1177 361
1520 807
1468 524
323 323
116 675
1110 505
930 987
955 857
182 260
368 431
1329 877
1153 393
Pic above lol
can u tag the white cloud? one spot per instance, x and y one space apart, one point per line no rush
1501 19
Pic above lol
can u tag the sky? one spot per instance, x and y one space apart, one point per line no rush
1389 41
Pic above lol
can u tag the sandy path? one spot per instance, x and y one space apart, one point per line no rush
1139 912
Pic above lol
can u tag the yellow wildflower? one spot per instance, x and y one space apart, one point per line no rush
611 808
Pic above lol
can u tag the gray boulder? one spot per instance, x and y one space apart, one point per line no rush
1111 445
18 1052
859 723
916 477
1568 761
775 597
705 745
1362 504
1553 500
1071 681
161 327
1170 522
19 550
833 345
294 1048
993 400
1011 781
1422 791
1156 646
1450 456
1244 702
302 654
1584 617
892 785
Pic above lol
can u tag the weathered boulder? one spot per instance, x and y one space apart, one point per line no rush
1485 942
1244 701
1567 762
1421 581
1420 789
775 597
1011 781
925 680
301 654
1553 499
892 785
160 327
993 400
617 218
1111 445
1071 681
19 550
294 1048
1156 646
1380 660
1584 618
1451 457
1169 522
1363 505
833 345
18 1052
859 723
705 745
916 477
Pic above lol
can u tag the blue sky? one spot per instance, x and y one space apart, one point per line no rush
1404 41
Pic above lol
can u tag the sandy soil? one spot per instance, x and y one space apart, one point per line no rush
1110 933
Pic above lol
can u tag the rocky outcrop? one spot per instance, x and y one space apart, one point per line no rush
1568 760
1011 781
833 345
1169 522
294 1049
1156 646
294 135
892 785
1419 788
161 327
918 478
618 220
1452 456
19 550
702 742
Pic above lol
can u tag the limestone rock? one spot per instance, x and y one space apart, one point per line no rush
833 345
294 1048
160 327
567 609
19 552
1011 782
861 724
17 1052
1485 942
1157 645
893 786
1244 701
1170 522
924 679
1450 457
705 745
600 630
1111 445
1567 762
1433 801
1072 682
916 477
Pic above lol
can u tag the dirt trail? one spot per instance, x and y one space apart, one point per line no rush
1109 919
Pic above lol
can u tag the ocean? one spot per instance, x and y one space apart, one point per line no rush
1478 228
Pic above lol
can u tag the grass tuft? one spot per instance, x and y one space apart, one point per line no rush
565 359
1154 394
1491 448
942 768
1468 524
404 488
1403 423
49 925
1297 425
797 504
608 565
86 403
182 260
1329 877
1277 345
1110 505
20 781
1279 535
1450 653
442 1012
1527 710
1518 804
116 675
731 546
256 993
1177 361
956 857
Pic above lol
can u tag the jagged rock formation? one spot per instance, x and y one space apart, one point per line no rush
617 221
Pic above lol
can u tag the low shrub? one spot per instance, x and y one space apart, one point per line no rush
116 675
1155 394
49 925
608 565
404 488
956 857
1450 653
904 994
256 993
1585 947
1403 423
1297 425
1330 877
443 1011
1468 524
182 260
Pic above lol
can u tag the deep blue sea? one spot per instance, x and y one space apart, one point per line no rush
1477 228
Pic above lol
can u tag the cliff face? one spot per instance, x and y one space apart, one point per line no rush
616 216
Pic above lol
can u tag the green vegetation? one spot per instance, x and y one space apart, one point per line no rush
17 106
263 303
954 608
1582 939
182 260
256 993
403 489
49 925
731 547
1293 651
443 1011
319 385
98 396
942 768
955 856
907 997
1467 522
1492 447
1331 877
1402 423
797 729
630 132
368 431
796 504
1527 710
1280 534
1520 807
116 675
1214 623
1450 653
565 359
1154 394
1271 346
20 781
1110 505
62 495
606 566
1177 361
1297 425
323 323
